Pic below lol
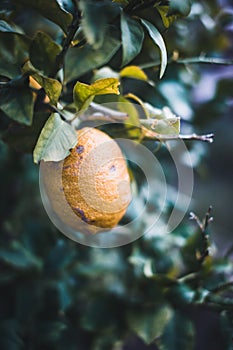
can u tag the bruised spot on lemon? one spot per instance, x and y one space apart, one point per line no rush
95 179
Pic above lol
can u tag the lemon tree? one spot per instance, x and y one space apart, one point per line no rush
165 68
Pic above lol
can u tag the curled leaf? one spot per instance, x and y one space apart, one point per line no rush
158 40
133 72
84 93
56 139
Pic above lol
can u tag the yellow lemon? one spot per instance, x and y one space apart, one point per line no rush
95 179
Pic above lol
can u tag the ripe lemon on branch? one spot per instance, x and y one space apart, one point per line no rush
95 179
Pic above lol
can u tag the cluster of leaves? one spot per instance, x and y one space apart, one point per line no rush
55 294
39 73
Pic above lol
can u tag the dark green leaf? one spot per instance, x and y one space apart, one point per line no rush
178 334
59 257
18 257
105 342
23 138
180 294
79 61
180 7
96 16
102 313
51 10
149 324
194 245
13 53
17 103
132 38
226 328
43 53
121 2
9 335
50 332
56 139
158 40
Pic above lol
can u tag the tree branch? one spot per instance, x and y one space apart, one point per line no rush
204 138
191 60
223 287
203 225
67 42
208 60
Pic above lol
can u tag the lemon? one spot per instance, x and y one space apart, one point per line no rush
95 179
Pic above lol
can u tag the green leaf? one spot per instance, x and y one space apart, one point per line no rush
17 103
79 61
51 10
56 139
193 245
9 27
180 7
43 53
226 328
51 86
181 294
170 126
149 324
50 332
102 313
121 2
23 138
158 40
133 116
10 335
166 18
84 94
133 72
132 37
18 257
163 121
178 334
13 53
59 257
95 18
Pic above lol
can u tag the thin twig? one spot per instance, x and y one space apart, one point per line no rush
203 225
54 109
208 60
100 112
191 60
67 42
207 218
150 135
223 287
109 111
229 252
226 303
193 216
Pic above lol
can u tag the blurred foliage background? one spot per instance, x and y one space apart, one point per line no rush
160 292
